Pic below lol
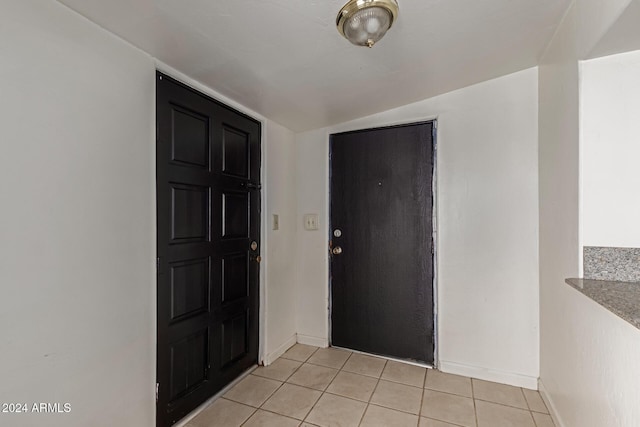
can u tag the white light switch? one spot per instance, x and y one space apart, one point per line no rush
311 221
276 222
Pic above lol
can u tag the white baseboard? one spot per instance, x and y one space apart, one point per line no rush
271 357
553 411
477 372
314 341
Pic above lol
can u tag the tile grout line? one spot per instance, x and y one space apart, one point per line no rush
380 405
534 421
249 417
271 412
302 363
422 400
525 398
473 398
526 401
281 385
459 395
424 384
372 393
504 404
322 393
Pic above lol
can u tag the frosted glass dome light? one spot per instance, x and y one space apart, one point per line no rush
365 22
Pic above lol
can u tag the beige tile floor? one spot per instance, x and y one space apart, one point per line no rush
309 386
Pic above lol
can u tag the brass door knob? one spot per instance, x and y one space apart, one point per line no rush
258 258
337 250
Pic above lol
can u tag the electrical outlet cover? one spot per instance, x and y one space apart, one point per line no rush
311 221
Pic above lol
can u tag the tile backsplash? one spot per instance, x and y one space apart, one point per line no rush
606 263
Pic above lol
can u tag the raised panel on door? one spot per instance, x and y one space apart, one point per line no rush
235 334
235 277
190 139
189 364
235 215
235 152
189 287
190 205
207 159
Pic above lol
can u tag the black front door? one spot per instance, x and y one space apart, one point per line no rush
208 208
381 241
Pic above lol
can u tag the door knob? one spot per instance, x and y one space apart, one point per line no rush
258 258
337 250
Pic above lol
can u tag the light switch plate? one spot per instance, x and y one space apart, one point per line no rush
310 221
276 222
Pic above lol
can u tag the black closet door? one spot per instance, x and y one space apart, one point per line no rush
208 243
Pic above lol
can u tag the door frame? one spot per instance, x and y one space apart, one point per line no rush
434 216
195 85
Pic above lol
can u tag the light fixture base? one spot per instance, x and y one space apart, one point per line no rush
365 22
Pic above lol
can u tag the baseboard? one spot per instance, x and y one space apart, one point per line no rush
477 372
553 411
271 357
314 341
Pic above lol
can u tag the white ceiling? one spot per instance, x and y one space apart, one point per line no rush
286 60
622 36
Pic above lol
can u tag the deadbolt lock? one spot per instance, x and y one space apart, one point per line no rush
254 245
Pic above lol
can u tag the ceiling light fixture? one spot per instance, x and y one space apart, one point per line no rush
365 22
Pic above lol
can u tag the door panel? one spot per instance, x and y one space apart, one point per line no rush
189 287
191 353
235 213
235 146
381 201
234 333
208 201
234 276
190 206
190 139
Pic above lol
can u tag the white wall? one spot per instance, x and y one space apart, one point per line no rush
487 226
559 205
312 195
77 220
77 225
281 254
610 150
587 371
589 368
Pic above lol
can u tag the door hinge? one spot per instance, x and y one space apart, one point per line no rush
157 391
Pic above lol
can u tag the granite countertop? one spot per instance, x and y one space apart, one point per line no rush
621 298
